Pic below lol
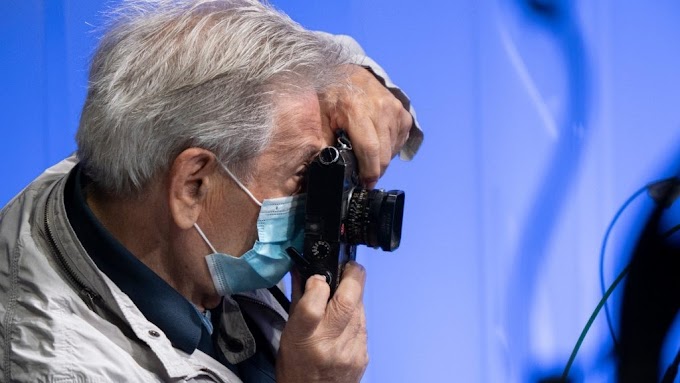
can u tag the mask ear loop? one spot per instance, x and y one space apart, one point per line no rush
200 232
245 189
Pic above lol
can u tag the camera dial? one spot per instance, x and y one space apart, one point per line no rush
329 155
321 249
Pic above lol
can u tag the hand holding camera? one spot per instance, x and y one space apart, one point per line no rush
326 330
326 336
372 116
340 215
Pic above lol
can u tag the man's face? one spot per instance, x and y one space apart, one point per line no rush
231 216
280 170
298 136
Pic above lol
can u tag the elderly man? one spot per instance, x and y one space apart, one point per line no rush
151 255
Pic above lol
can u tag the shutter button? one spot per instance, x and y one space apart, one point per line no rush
234 345
154 333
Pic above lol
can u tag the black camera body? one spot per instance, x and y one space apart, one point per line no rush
340 215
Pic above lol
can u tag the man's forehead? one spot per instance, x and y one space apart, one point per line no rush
297 107
298 122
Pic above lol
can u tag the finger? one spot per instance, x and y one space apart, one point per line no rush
354 341
359 347
311 306
354 271
400 122
366 146
405 123
386 138
389 110
329 131
364 138
356 328
348 297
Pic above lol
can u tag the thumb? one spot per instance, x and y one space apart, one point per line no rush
310 308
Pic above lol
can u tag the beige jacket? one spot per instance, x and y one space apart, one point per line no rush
64 320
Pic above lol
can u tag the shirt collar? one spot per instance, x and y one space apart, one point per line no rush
156 299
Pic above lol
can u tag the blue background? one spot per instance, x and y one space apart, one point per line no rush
541 118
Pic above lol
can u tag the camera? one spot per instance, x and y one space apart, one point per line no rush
340 215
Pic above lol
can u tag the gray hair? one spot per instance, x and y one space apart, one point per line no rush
170 75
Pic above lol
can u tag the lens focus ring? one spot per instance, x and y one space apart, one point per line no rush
356 217
374 218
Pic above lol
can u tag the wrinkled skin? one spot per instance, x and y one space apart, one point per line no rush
376 122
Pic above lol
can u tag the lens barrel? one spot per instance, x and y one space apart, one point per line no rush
374 218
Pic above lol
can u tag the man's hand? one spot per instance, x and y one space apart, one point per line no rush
325 341
376 122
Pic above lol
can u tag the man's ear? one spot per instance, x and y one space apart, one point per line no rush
188 185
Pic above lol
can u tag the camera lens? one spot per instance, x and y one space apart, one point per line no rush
374 218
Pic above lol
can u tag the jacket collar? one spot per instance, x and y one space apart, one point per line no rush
109 301
156 299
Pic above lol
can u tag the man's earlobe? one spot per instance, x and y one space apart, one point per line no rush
188 184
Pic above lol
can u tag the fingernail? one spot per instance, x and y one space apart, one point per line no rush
370 184
319 277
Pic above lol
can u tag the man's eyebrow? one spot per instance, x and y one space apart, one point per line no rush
312 151
307 152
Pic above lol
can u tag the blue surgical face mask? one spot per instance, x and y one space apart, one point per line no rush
280 225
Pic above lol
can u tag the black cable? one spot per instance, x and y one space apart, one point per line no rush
602 255
657 190
602 302
610 290
672 231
